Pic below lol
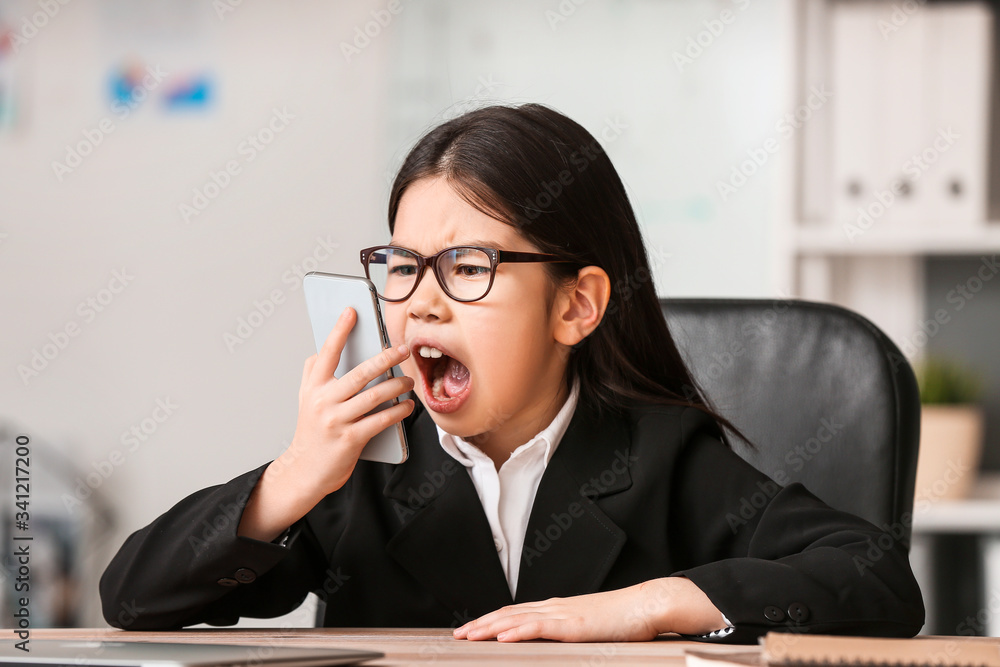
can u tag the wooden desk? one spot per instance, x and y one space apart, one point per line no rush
418 646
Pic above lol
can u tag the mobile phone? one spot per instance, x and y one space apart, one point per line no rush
327 295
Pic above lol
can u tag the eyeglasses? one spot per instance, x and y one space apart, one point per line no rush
465 273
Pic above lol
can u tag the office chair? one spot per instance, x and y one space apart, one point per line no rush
827 399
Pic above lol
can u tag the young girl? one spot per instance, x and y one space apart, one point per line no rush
566 479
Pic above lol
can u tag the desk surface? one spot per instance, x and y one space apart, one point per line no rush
409 646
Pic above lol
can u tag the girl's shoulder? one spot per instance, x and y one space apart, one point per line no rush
658 425
685 416
648 419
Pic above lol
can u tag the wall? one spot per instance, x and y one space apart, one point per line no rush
171 284
681 94
319 183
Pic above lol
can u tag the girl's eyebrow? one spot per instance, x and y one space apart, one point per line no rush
473 242
488 244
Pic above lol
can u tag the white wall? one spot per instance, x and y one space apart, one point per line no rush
673 129
324 176
162 336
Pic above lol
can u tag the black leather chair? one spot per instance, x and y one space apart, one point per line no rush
827 399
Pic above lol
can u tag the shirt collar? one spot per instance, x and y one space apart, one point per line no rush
467 454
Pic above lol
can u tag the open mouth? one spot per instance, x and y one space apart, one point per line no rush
446 380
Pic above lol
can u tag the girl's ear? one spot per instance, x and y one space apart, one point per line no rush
580 307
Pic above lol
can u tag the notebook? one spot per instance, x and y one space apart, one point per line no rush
151 654
785 649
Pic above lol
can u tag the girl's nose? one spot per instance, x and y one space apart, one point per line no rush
428 300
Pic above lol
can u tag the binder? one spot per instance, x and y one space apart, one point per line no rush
911 94
959 53
856 77
902 115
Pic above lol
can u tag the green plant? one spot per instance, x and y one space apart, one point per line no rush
943 381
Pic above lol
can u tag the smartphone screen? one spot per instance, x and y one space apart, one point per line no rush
327 295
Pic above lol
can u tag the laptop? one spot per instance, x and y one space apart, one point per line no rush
151 654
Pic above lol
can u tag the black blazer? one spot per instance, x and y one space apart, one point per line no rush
650 493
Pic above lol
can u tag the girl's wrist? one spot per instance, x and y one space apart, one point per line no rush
277 501
676 604
657 601
293 482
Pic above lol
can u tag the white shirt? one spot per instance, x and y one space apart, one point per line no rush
508 494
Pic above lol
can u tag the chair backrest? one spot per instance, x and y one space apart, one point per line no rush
827 399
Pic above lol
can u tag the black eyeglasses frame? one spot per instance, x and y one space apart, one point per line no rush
496 256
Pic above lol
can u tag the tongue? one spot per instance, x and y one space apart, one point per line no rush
456 378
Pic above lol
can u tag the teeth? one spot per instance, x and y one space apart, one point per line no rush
437 389
437 384
430 352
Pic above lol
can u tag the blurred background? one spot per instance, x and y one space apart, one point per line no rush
170 169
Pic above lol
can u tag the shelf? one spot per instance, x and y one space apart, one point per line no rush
978 514
817 240
959 517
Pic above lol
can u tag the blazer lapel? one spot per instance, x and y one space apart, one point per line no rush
445 541
570 543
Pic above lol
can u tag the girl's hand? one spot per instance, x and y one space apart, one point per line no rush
332 428
636 613
331 431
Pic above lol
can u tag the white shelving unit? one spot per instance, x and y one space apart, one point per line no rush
813 241
896 80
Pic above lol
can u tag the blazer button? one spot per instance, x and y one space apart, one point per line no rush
227 581
798 612
245 575
774 614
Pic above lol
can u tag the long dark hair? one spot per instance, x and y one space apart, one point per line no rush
537 170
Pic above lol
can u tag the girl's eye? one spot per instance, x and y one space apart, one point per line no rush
471 270
402 270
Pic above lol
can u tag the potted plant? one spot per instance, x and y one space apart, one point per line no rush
951 429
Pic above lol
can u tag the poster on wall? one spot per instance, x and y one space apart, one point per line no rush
7 82
159 58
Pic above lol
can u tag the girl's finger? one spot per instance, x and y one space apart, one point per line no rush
505 612
306 372
505 624
359 376
531 630
372 425
329 354
357 407
486 620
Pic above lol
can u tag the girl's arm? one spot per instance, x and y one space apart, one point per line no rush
189 566
794 565
211 556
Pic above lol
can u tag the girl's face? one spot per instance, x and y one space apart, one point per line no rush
502 368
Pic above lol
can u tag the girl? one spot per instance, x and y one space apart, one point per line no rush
566 478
